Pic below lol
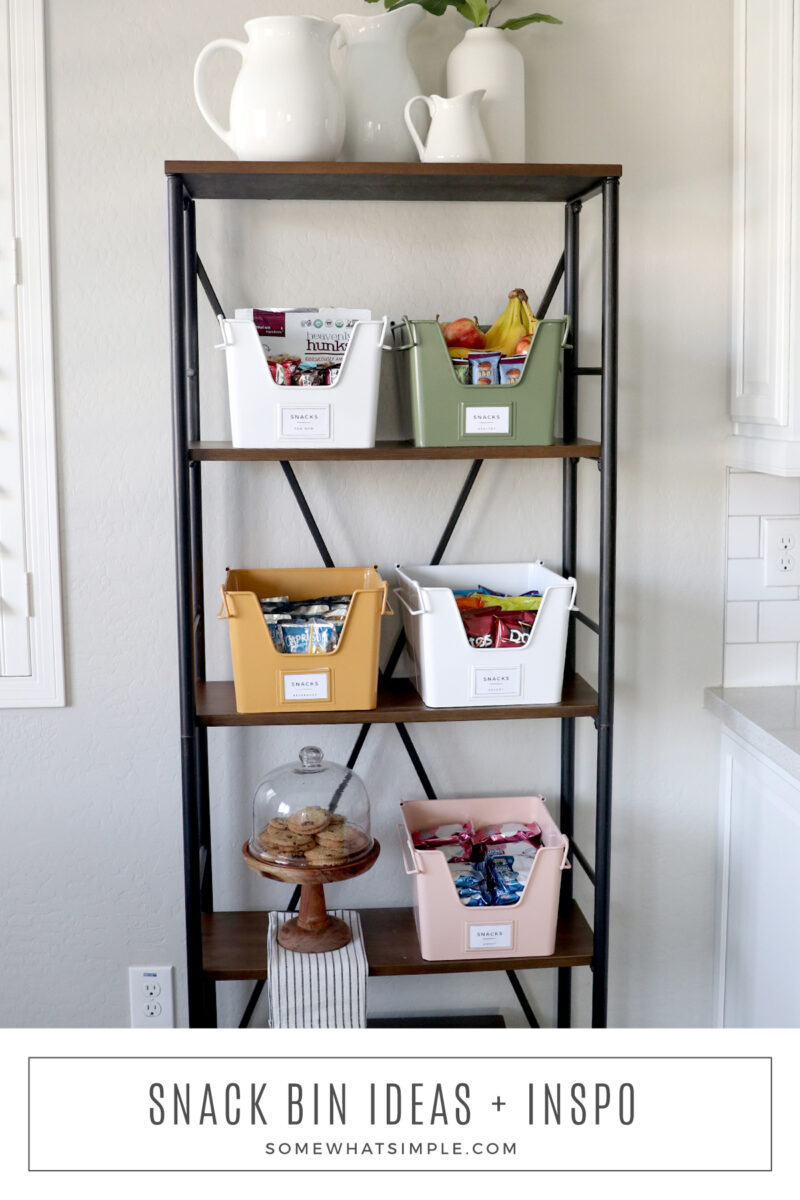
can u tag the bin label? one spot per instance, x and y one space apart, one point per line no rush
487 419
501 681
306 422
491 937
308 686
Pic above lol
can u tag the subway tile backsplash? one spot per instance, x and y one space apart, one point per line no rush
762 624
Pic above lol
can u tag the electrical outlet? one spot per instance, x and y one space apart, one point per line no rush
782 551
151 997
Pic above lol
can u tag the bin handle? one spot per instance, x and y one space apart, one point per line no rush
412 612
572 605
227 342
566 865
413 343
382 339
386 608
567 323
401 833
225 613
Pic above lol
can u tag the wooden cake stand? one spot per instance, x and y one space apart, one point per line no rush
312 931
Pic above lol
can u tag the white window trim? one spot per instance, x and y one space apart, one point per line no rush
44 687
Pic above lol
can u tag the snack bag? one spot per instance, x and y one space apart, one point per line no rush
485 367
316 335
510 832
442 835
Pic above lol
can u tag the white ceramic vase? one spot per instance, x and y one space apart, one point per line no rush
286 103
487 59
377 80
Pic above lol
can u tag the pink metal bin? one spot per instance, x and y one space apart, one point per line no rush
450 930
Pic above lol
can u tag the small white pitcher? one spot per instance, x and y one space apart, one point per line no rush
456 133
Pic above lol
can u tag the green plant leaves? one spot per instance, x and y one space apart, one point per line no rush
474 10
435 7
520 22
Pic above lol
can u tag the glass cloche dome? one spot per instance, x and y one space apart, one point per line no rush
311 813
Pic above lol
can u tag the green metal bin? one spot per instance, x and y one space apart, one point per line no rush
445 412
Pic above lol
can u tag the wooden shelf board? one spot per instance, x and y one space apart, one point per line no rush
235 946
390 181
225 452
398 701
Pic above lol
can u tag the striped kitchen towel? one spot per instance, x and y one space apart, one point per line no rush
317 991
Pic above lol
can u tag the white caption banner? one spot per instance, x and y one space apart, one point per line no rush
400 1114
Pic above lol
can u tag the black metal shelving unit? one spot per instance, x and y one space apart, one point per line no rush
233 945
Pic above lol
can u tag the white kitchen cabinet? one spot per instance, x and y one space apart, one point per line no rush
765 399
758 918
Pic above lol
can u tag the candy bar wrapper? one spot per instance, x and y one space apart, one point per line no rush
463 370
459 852
511 368
485 367
475 899
283 370
508 851
442 835
467 876
501 853
511 831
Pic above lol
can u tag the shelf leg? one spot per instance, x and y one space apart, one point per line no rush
569 555
608 524
199 1011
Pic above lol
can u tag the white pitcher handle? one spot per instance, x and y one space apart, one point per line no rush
410 124
199 90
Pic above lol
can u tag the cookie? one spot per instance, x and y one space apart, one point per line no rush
278 825
309 820
284 842
337 819
325 856
343 838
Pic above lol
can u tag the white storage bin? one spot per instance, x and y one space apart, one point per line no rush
448 672
267 415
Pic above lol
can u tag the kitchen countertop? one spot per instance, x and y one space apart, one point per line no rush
767 718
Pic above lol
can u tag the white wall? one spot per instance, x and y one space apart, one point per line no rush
90 852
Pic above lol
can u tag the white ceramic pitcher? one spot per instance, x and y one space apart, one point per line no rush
286 103
456 133
377 79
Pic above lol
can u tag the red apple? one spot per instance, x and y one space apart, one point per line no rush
465 333
524 344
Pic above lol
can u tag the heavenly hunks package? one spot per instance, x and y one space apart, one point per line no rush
310 334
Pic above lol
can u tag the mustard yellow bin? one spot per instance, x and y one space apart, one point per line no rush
266 680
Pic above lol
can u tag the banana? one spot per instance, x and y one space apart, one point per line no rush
515 322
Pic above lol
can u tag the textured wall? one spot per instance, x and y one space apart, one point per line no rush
90 853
